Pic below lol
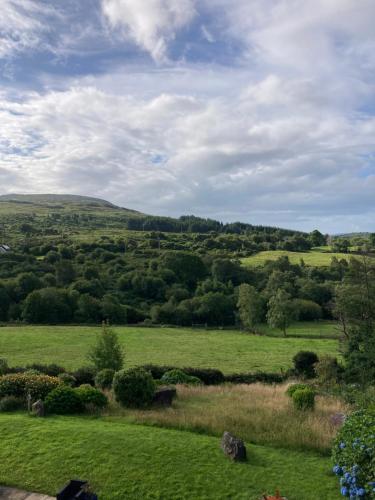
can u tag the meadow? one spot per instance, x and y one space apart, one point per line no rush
228 350
123 460
314 258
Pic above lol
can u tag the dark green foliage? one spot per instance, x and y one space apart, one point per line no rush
304 362
134 387
63 401
354 453
281 310
252 378
179 377
4 368
209 376
107 352
104 378
304 399
52 369
48 305
91 397
67 379
307 310
12 403
85 375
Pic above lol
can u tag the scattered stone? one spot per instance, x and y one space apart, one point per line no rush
337 419
233 447
38 408
164 396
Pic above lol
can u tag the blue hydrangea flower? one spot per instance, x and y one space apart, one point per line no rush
344 491
342 445
361 492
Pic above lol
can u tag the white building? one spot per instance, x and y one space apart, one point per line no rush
4 248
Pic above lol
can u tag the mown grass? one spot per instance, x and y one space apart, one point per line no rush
258 413
229 351
313 258
125 461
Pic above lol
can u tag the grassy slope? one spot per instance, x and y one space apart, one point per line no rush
313 258
136 462
230 351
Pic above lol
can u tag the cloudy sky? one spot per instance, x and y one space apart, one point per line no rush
255 110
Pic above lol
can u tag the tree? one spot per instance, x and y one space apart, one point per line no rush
317 238
281 310
48 305
250 306
355 309
107 352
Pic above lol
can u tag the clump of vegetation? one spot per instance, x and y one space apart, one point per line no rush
107 352
63 400
134 387
354 455
295 387
104 378
91 397
304 364
179 377
12 403
85 375
67 379
21 385
304 399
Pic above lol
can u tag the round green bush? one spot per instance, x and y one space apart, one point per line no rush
354 455
304 399
85 375
63 400
12 403
294 387
104 378
134 387
22 384
67 379
91 397
179 377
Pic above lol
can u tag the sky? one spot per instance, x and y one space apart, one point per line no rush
261 111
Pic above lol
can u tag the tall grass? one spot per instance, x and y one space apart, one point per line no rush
257 413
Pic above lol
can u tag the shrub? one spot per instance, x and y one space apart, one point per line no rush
354 455
209 376
85 375
52 370
328 371
107 352
134 387
295 387
104 378
304 399
252 378
3 366
91 397
12 403
67 379
179 377
304 362
22 384
63 400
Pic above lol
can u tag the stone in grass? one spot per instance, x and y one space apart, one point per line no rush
38 408
276 497
164 396
233 447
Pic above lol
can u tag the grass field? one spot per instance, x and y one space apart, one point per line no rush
261 414
313 258
309 329
230 351
123 460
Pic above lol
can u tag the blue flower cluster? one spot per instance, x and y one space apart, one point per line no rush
349 482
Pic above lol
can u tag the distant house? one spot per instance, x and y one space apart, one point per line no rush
4 248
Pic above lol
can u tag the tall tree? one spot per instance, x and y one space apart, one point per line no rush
250 306
107 352
281 310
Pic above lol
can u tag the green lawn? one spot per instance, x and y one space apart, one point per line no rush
313 329
312 258
230 351
123 460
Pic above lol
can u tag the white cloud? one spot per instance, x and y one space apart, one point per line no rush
151 24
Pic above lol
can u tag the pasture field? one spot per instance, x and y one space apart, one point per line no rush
310 329
313 258
228 350
122 460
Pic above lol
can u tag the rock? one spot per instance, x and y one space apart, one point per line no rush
233 447
164 396
337 419
38 408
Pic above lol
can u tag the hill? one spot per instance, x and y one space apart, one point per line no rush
53 199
